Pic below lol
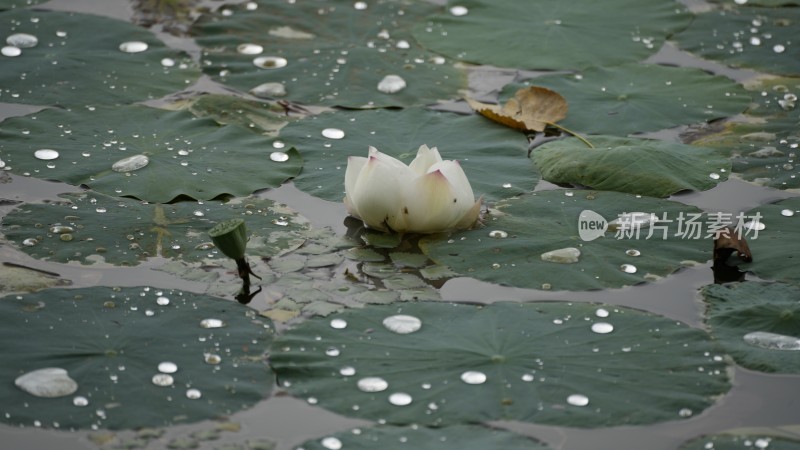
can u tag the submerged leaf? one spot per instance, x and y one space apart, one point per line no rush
530 109
558 363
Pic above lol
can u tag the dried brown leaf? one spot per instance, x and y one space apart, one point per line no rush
531 109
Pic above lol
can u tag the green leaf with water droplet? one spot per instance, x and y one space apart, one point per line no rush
182 156
775 248
111 341
456 437
632 165
772 438
78 61
12 4
635 98
726 35
260 116
549 35
321 54
492 156
504 361
123 231
757 323
762 143
549 221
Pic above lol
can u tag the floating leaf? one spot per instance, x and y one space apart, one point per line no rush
326 55
758 38
635 166
491 155
739 441
456 437
559 363
511 248
763 143
758 324
266 118
91 227
150 154
530 109
17 278
551 35
78 61
140 356
635 98
774 248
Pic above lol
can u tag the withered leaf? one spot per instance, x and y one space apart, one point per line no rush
531 109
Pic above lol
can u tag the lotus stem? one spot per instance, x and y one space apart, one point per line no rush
583 139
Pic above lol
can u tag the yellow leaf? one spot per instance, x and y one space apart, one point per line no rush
531 109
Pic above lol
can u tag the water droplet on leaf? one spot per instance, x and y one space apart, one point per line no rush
602 327
167 367
22 40
45 154
130 163
338 324
133 46
163 379
578 400
400 399
372 384
279 156
473 377
628 268
772 341
402 324
50 382
212 323
391 84
270 62
333 133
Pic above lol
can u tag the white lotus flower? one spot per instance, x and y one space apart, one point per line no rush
427 196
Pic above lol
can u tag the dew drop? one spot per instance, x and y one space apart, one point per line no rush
30 242
498 234
347 371
372 384
633 252
45 154
778 48
168 62
473 377
271 89
11 51
278 144
193 394
331 443
755 225
578 400
338 324
80 401
250 49
400 399
360 5
772 341
459 10
163 379
211 358
628 268
567 255
332 351
333 133
528 377
402 324
601 312
506 185
602 327
391 84
22 40
279 156
685 412
713 176
212 323
130 163
270 62
133 46
49 382
100 209
787 212
167 367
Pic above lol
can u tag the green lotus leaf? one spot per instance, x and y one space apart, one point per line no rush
771 3
635 98
317 53
91 228
753 37
260 116
151 154
762 144
635 166
758 324
12 4
78 61
514 246
456 437
141 357
773 438
774 247
492 156
560 363
551 34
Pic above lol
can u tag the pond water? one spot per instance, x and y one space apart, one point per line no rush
756 399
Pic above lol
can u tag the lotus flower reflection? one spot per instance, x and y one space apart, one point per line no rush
427 196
